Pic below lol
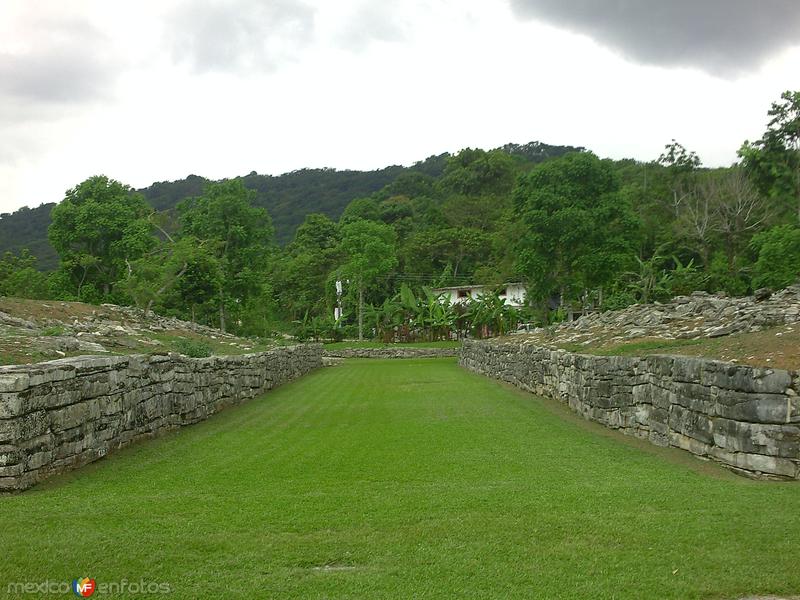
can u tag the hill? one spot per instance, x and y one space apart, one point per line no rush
27 228
288 198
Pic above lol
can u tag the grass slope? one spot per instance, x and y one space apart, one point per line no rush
398 479
777 347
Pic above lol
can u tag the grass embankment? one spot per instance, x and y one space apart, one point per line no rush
400 479
777 347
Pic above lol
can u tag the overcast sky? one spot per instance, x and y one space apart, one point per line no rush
155 90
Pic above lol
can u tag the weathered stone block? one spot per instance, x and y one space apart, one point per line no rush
745 417
772 440
757 463
752 407
11 381
11 405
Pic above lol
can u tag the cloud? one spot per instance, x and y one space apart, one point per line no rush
370 22
65 61
212 35
722 37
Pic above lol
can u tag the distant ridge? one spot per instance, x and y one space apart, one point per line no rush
288 198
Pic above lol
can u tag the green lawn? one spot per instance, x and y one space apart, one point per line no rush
401 479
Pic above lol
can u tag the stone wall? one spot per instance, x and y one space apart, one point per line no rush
392 352
58 415
746 418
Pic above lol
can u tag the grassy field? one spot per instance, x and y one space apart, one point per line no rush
400 479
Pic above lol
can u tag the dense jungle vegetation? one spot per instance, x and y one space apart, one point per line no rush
256 254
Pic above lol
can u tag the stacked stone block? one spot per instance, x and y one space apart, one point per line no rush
59 415
746 418
391 352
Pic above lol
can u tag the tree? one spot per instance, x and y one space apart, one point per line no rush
316 233
774 160
737 209
462 248
778 263
368 249
99 225
151 276
19 277
478 173
241 235
579 232
361 209
196 292
301 273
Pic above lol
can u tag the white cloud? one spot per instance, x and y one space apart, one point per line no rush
347 85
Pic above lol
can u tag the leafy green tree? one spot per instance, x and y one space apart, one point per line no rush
316 233
678 159
488 314
368 250
241 235
361 209
410 184
479 173
100 224
195 295
460 248
774 160
19 277
151 276
778 263
579 232
300 274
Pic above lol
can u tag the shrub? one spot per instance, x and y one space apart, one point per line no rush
193 348
54 330
778 263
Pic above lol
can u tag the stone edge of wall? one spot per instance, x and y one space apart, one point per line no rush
391 353
59 415
746 418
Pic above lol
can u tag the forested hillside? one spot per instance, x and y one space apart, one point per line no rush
577 230
287 198
26 228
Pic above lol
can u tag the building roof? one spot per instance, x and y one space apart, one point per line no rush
472 287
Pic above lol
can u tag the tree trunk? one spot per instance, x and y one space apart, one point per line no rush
360 313
221 311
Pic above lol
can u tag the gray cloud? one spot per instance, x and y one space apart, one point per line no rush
211 35
722 37
66 62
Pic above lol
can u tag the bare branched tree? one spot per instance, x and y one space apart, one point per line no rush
725 204
694 217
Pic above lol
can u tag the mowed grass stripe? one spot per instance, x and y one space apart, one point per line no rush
395 479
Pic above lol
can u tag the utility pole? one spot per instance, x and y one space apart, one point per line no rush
337 312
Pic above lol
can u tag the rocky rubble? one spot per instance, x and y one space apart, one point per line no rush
700 315
51 329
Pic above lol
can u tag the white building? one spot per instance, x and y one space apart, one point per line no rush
513 293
